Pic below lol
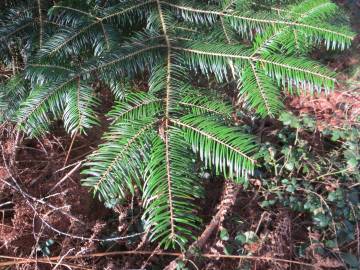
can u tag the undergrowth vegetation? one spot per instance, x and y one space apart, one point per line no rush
191 81
316 174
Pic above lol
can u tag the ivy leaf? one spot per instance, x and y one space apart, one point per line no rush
224 234
250 237
289 166
352 163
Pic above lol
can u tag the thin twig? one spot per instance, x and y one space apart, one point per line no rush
160 253
69 151
15 150
18 261
62 258
65 177
68 166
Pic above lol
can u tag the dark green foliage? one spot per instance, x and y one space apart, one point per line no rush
63 51
317 179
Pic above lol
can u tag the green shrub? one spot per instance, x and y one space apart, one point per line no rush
62 53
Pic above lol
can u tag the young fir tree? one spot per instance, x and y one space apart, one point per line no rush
58 51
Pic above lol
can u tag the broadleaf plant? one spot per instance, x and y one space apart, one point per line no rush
61 51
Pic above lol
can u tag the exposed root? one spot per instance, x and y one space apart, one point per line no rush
229 195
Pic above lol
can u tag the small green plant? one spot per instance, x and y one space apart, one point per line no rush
320 180
308 172
61 53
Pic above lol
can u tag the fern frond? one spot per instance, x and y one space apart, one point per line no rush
287 40
119 88
319 9
117 165
128 59
214 58
71 41
16 22
84 34
12 93
156 80
295 40
199 104
45 103
79 113
219 146
128 13
299 72
15 29
168 192
199 14
245 24
71 15
24 27
135 106
260 92
39 73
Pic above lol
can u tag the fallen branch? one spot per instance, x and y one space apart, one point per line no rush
228 199
19 260
55 263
